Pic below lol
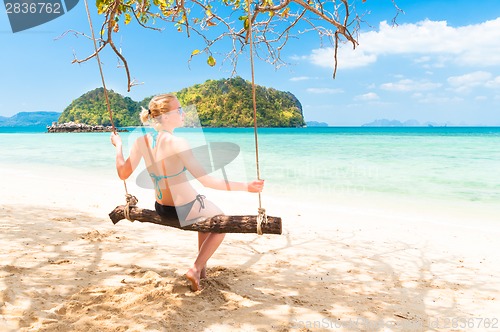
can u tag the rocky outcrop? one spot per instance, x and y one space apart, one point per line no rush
72 127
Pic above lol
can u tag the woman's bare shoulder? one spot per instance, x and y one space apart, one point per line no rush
180 144
141 140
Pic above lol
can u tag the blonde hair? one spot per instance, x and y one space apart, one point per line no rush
157 106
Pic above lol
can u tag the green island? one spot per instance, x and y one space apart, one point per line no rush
219 103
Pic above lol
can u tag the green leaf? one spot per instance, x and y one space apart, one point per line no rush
284 13
101 8
211 61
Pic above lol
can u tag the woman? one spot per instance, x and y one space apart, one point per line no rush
168 158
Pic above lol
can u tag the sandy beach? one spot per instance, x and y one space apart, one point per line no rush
339 266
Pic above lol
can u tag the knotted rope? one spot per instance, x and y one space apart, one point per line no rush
261 220
131 202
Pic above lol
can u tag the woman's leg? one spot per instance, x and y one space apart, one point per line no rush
208 248
207 242
201 239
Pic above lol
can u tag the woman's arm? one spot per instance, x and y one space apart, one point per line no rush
196 169
125 167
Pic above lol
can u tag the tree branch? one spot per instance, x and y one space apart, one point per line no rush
200 18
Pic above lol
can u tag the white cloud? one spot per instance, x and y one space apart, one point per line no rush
370 96
300 78
435 99
407 85
347 58
464 83
433 43
324 90
475 78
494 83
423 59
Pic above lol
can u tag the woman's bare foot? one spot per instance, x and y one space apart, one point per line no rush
203 273
194 277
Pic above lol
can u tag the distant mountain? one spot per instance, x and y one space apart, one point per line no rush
413 123
392 123
28 119
316 124
219 103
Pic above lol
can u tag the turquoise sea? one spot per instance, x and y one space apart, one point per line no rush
449 164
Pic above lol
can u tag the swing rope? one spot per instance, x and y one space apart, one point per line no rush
262 217
100 67
132 200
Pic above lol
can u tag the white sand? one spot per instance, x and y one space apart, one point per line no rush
346 266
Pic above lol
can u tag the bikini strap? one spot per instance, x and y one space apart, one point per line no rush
157 180
154 137
200 198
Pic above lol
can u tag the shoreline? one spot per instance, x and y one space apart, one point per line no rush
72 127
43 128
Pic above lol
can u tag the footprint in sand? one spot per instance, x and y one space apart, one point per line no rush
59 262
96 236
67 219
13 269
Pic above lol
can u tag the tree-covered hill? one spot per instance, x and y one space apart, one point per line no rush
228 103
219 103
91 109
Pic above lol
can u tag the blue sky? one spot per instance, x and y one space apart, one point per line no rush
440 64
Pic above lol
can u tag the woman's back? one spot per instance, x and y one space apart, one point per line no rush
167 171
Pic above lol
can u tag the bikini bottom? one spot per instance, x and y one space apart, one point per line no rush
174 215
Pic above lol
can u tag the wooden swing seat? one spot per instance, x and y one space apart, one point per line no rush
216 224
